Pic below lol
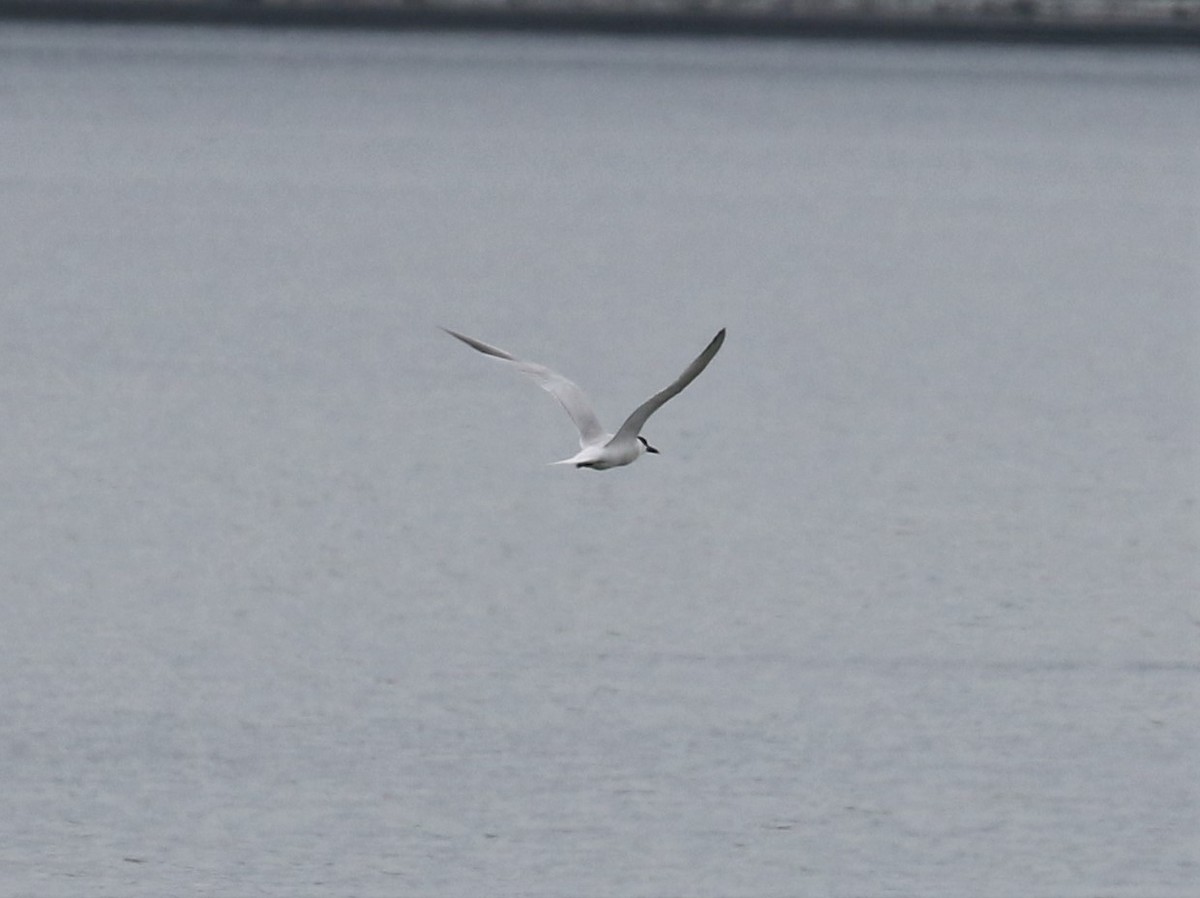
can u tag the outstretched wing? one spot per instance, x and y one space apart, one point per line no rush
634 423
573 399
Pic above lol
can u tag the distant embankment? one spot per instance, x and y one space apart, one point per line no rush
1141 22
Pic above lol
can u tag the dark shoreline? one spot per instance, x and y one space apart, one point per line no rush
1180 31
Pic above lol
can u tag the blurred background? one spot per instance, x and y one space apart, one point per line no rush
293 605
1122 21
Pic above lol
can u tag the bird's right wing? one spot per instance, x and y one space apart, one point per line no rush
573 399
634 423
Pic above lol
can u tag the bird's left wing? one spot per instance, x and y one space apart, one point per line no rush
573 399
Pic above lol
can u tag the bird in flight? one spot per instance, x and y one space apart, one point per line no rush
599 448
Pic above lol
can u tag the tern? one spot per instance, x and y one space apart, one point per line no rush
600 449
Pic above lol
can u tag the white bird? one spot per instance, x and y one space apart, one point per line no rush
599 448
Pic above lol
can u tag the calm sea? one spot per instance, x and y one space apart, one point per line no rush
292 605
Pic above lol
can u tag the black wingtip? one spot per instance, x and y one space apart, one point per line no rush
480 346
470 341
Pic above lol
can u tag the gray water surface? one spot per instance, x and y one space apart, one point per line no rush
293 606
